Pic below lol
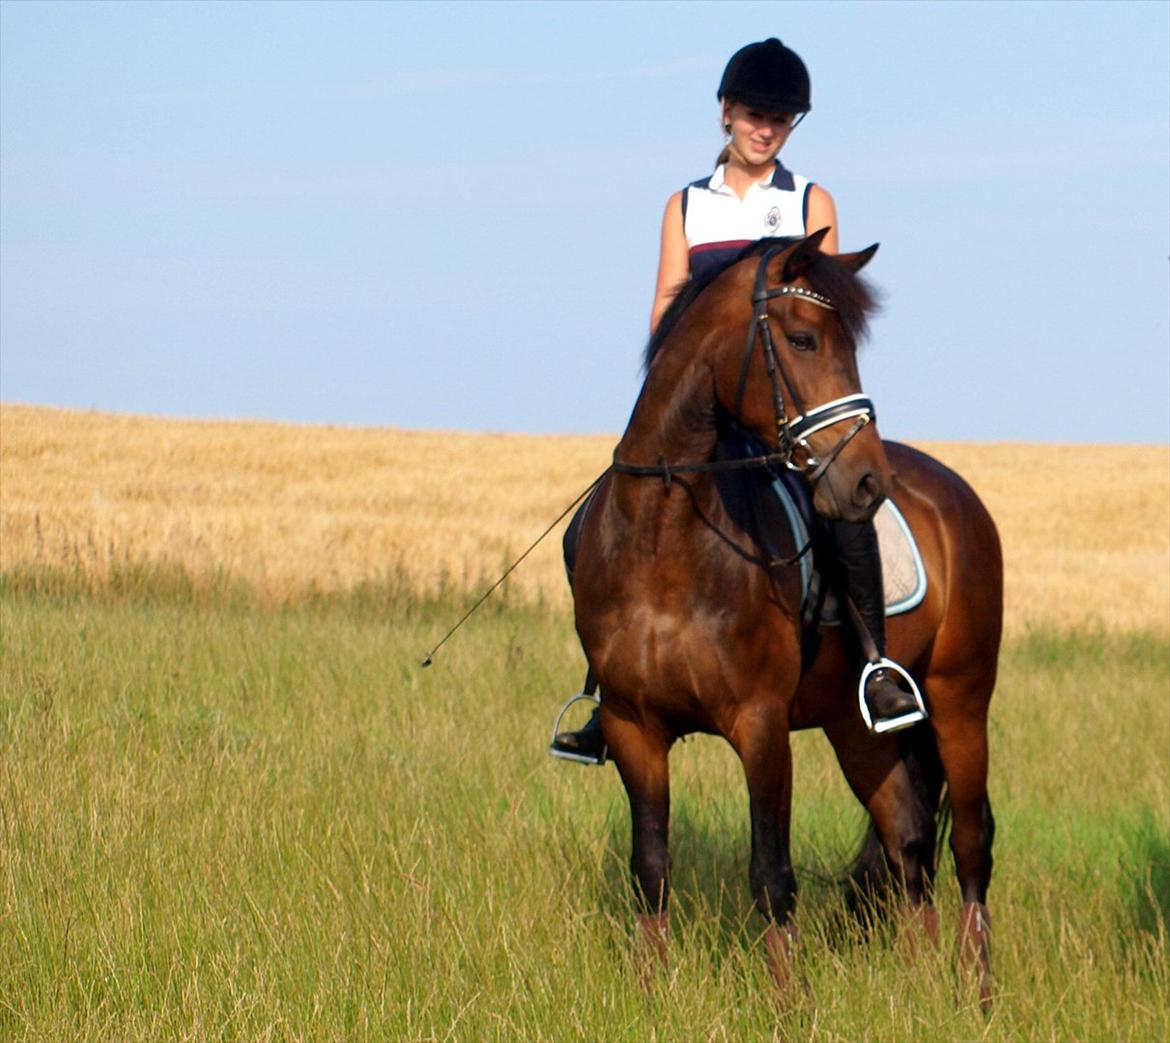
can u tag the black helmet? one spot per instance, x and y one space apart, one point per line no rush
769 76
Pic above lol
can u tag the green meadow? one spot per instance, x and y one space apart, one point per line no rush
220 819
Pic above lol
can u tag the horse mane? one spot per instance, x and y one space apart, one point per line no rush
853 297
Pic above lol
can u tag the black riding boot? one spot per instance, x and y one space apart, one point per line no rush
587 741
854 547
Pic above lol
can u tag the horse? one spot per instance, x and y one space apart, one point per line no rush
690 618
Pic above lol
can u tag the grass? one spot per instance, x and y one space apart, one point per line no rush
224 819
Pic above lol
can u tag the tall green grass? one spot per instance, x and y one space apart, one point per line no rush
220 820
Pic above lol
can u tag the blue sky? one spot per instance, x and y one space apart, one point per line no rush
446 215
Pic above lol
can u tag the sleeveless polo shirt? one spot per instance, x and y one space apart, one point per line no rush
717 224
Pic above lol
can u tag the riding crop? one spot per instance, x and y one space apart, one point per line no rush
428 658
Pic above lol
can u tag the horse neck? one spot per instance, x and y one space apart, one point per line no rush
674 417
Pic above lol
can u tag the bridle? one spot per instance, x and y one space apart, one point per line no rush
792 434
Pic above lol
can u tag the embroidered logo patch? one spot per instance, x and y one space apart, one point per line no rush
772 219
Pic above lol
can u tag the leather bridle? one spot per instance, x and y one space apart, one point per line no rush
792 434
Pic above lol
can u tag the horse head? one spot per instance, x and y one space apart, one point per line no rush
796 385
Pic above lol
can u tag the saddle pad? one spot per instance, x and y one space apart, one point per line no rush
903 573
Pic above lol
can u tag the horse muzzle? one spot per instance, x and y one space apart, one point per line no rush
854 484
852 492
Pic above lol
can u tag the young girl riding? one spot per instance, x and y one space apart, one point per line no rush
764 94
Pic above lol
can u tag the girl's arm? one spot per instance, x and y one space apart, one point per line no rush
674 262
822 214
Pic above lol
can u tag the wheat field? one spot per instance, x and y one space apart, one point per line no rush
291 509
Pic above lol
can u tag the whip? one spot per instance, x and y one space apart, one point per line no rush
429 657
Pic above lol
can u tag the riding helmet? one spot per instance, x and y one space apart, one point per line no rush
769 76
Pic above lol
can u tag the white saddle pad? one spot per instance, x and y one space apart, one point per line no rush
903 573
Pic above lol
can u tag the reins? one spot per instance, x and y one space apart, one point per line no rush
666 470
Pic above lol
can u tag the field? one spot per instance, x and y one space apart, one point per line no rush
292 509
234 806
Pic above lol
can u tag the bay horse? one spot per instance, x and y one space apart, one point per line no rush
691 622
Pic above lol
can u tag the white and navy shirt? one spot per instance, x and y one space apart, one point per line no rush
718 224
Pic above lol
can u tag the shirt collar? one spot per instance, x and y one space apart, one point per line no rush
781 178
717 181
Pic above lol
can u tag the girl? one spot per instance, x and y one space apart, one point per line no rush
764 93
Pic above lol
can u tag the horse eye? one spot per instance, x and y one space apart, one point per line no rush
802 341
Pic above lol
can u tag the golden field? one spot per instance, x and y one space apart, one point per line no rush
292 508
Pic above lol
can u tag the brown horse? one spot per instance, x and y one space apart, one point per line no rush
690 620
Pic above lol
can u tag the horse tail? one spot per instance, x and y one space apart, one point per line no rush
943 824
867 880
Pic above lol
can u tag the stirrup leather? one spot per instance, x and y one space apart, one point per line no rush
568 755
894 724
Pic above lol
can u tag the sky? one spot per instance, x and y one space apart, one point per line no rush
446 215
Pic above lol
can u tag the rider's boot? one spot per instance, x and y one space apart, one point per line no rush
585 742
859 566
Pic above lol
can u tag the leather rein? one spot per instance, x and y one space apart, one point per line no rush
792 435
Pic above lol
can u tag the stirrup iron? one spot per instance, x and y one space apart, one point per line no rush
568 755
894 724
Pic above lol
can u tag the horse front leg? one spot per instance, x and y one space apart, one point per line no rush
641 758
761 741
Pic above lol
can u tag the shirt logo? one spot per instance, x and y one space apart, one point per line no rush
772 219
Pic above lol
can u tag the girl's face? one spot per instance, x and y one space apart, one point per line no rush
756 136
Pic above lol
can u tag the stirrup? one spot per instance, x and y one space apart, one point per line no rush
893 724
568 755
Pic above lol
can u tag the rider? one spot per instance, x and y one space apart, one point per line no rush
764 94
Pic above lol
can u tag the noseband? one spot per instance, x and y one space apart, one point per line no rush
792 434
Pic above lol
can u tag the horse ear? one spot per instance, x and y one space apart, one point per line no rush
800 258
855 262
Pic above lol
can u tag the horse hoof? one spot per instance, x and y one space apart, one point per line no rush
918 928
975 950
780 944
986 983
654 931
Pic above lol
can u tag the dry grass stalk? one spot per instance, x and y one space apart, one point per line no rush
288 508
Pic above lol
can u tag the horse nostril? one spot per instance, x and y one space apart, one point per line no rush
868 490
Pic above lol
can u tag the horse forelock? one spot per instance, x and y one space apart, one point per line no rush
852 295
